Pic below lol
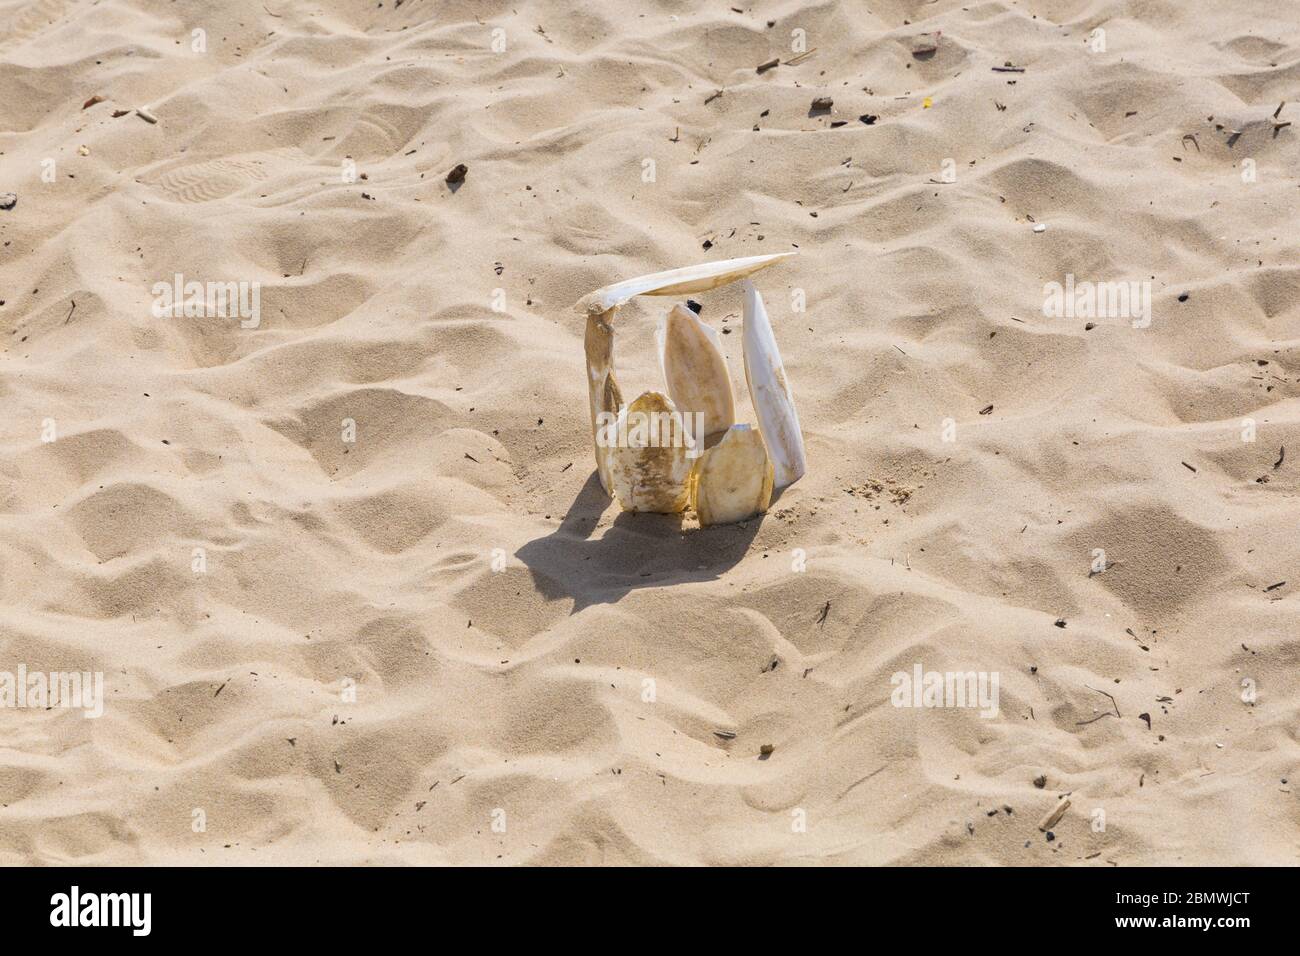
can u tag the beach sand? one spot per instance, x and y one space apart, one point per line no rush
354 590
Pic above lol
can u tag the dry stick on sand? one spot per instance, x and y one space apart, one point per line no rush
1053 818
1081 723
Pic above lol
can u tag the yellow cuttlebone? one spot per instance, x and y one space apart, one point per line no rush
733 479
602 389
695 373
651 472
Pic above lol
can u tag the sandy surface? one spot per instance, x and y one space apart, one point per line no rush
339 674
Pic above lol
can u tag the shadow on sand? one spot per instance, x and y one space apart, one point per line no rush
637 551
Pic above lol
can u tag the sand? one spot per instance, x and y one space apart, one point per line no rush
354 591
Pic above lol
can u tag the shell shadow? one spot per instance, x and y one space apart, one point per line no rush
637 551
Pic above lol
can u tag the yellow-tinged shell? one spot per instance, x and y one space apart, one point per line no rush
649 466
733 479
602 388
695 373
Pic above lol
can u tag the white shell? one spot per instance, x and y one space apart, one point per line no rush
770 392
700 278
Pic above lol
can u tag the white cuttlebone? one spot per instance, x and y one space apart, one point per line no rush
694 370
698 278
770 393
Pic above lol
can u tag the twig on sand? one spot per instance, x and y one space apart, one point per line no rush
1112 701
1053 818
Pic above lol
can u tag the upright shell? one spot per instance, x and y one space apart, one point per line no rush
603 395
695 373
770 392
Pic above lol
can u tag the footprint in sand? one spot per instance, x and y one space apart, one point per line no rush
208 180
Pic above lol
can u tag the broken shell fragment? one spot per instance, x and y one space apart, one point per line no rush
695 373
650 468
770 392
733 480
